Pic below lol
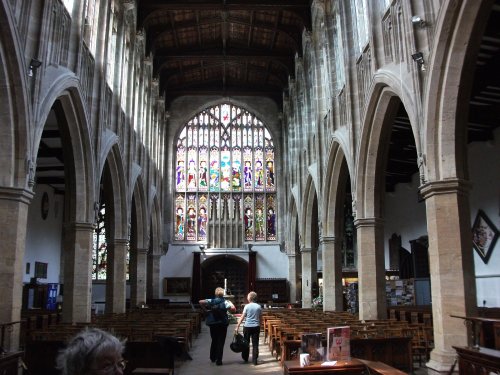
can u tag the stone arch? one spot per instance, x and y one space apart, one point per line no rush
336 174
337 177
373 150
292 230
140 204
307 211
155 239
119 188
447 94
138 245
76 141
16 111
155 248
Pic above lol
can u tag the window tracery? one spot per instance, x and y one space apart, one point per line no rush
225 169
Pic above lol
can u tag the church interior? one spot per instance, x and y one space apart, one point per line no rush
336 157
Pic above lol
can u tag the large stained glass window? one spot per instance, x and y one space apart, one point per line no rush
225 158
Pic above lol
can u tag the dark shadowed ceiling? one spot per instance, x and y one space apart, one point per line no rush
224 47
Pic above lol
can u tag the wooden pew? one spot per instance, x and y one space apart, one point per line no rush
393 351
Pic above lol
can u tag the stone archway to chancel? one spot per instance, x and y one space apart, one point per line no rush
225 271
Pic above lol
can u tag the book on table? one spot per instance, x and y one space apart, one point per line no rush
338 343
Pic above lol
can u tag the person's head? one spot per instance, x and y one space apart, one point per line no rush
252 297
92 352
219 292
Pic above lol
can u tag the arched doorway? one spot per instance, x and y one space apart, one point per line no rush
225 270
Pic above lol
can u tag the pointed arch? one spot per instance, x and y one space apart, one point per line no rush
16 114
307 212
76 140
118 184
141 223
374 146
292 230
448 90
337 173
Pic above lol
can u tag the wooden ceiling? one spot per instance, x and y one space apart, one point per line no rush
224 47
247 47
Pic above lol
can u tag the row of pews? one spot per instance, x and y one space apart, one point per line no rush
154 338
394 342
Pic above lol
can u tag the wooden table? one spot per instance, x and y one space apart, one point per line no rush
355 366
352 367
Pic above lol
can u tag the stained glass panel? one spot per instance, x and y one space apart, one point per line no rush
225 150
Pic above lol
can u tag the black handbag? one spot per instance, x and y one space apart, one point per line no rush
239 343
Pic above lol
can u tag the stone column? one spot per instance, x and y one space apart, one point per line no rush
371 269
453 285
77 271
309 274
332 274
137 270
292 276
14 212
153 274
115 276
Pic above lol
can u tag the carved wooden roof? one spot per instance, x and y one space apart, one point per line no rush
224 47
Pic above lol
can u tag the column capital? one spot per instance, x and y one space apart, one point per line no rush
306 249
368 222
79 226
142 251
16 194
449 186
327 239
120 241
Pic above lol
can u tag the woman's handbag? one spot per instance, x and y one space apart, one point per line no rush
239 343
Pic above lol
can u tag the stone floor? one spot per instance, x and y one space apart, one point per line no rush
232 362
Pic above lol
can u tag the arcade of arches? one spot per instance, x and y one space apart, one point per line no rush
360 144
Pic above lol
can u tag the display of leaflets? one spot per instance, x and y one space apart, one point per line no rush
338 343
311 344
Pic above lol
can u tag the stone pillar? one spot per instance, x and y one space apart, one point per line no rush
309 274
332 274
14 212
153 274
137 270
371 269
77 271
292 276
453 285
116 276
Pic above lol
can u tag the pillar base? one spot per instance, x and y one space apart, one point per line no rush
441 362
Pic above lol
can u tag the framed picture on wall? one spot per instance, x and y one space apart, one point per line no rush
176 286
484 235
41 270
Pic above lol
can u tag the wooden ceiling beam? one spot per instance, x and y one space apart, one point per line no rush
163 5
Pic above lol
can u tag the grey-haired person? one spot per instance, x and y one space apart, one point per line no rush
92 352
252 315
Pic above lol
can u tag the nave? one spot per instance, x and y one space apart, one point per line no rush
232 362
